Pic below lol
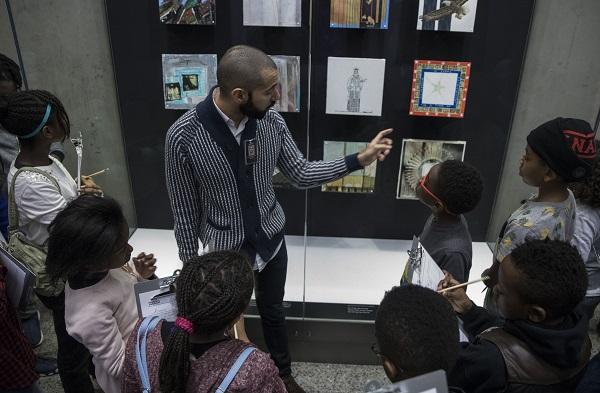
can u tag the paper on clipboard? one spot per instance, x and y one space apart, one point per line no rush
421 269
154 298
19 279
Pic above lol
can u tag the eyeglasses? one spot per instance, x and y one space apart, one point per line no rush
431 194
377 352
427 190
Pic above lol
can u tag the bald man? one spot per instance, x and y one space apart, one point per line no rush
220 159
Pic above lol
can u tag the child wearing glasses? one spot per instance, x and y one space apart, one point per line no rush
450 189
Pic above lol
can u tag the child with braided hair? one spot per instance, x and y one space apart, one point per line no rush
194 354
586 237
41 187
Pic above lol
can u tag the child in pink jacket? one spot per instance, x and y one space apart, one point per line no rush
88 246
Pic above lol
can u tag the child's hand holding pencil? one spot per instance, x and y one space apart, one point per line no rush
456 293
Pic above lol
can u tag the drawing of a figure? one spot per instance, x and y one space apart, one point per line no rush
354 87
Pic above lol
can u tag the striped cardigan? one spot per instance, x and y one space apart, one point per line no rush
217 198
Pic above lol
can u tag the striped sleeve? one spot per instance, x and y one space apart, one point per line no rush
184 195
306 174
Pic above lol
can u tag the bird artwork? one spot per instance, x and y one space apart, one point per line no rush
449 7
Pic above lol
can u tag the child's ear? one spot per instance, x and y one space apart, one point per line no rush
536 314
390 369
550 175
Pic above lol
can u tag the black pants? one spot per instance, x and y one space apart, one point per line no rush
72 357
269 287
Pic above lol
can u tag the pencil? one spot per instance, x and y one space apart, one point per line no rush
99 172
464 284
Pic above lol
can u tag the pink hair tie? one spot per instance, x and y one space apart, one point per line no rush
185 325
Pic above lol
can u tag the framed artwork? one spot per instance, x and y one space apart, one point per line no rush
281 13
355 86
187 12
359 14
447 15
439 88
418 157
187 79
361 181
289 81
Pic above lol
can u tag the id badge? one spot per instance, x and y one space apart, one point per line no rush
250 151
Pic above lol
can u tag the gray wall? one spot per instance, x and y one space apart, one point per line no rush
65 49
561 77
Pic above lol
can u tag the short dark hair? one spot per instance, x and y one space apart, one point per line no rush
23 111
417 330
553 275
459 186
240 67
10 71
84 235
588 190
212 291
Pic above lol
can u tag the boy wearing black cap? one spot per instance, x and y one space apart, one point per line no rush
558 152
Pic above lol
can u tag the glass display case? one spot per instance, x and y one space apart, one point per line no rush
348 68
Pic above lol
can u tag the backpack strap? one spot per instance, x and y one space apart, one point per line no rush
148 324
234 370
13 212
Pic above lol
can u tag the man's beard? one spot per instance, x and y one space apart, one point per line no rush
248 109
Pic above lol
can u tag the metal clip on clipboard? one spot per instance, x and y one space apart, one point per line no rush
167 285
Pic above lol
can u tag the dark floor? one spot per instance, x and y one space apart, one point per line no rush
314 377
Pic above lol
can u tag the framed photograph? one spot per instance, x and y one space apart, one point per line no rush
289 81
447 15
279 13
439 88
355 86
187 12
418 156
361 181
359 14
187 79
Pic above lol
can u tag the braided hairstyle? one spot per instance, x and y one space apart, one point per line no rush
10 71
23 111
212 291
588 191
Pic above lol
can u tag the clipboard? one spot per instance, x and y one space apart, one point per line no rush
434 382
19 279
157 298
421 269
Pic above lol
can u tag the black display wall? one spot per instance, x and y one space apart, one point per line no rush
496 50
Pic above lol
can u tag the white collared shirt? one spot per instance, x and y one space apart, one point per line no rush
259 264
236 131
